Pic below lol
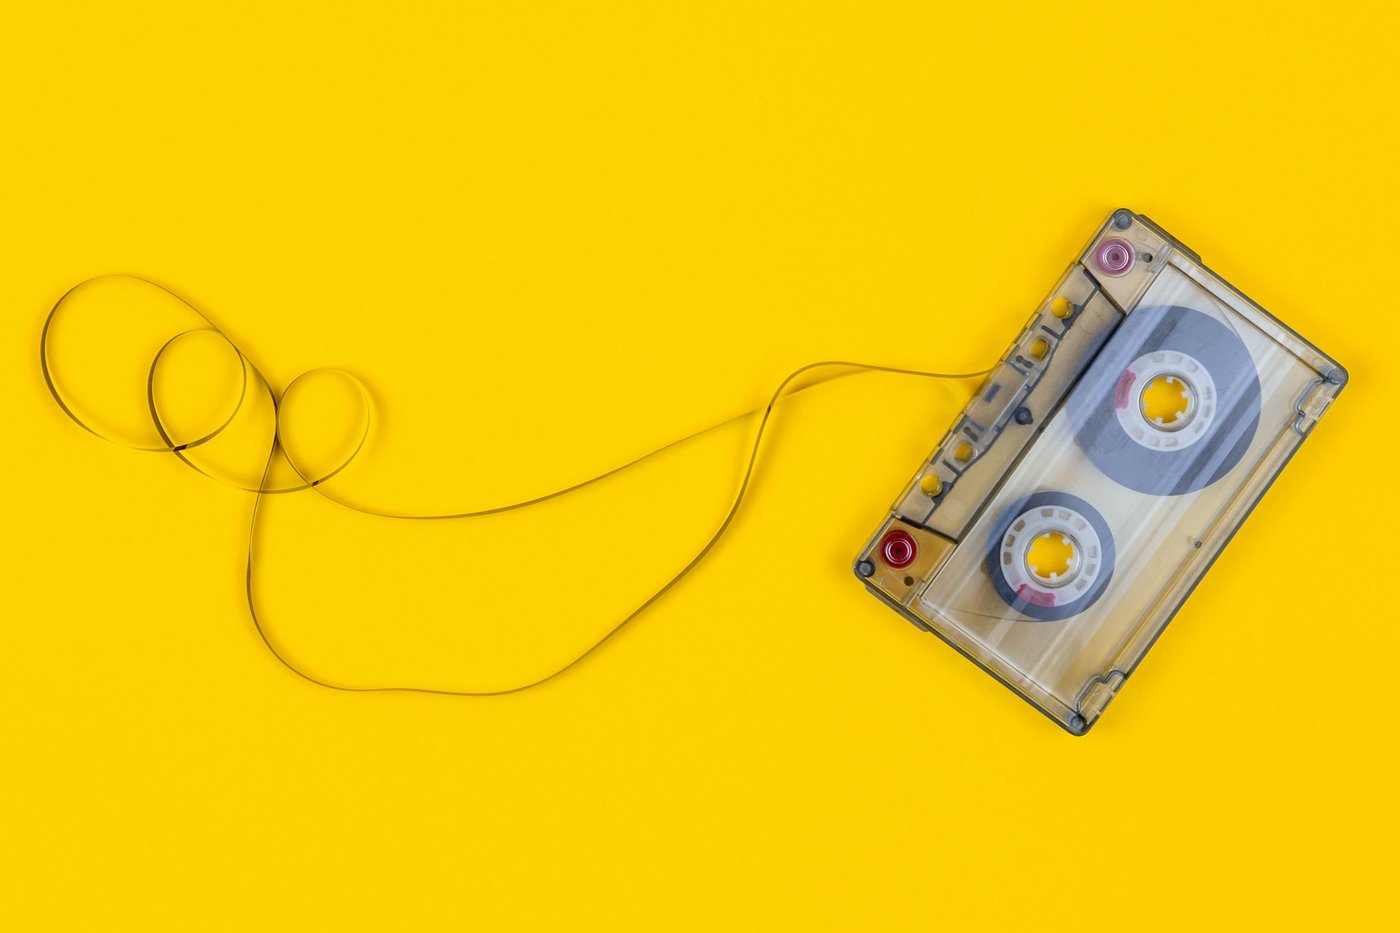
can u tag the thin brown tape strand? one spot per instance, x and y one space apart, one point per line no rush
253 379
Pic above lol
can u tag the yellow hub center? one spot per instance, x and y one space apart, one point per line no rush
1167 401
1052 556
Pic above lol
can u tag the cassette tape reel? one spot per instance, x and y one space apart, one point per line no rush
1098 471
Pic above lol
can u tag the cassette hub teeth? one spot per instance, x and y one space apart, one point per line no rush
1128 413
1053 557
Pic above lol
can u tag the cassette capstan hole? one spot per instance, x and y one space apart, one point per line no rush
1168 401
1052 558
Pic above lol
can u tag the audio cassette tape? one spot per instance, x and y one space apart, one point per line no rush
1098 471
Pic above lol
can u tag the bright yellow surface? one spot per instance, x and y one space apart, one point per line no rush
548 240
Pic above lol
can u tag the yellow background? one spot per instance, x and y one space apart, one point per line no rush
551 237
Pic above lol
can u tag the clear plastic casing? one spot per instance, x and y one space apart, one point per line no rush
1098 471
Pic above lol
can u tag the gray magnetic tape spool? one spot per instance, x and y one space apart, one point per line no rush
1036 592
1198 357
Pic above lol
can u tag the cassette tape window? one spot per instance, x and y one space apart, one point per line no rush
1099 470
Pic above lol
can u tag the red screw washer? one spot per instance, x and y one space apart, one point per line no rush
898 549
1114 256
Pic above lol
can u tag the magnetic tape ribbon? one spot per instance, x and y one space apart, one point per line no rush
256 386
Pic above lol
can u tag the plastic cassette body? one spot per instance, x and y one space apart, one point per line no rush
1098 471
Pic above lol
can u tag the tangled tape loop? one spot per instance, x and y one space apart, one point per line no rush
206 403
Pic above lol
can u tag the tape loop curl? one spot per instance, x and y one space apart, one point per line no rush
206 403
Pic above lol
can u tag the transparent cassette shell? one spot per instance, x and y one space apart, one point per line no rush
1098 471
